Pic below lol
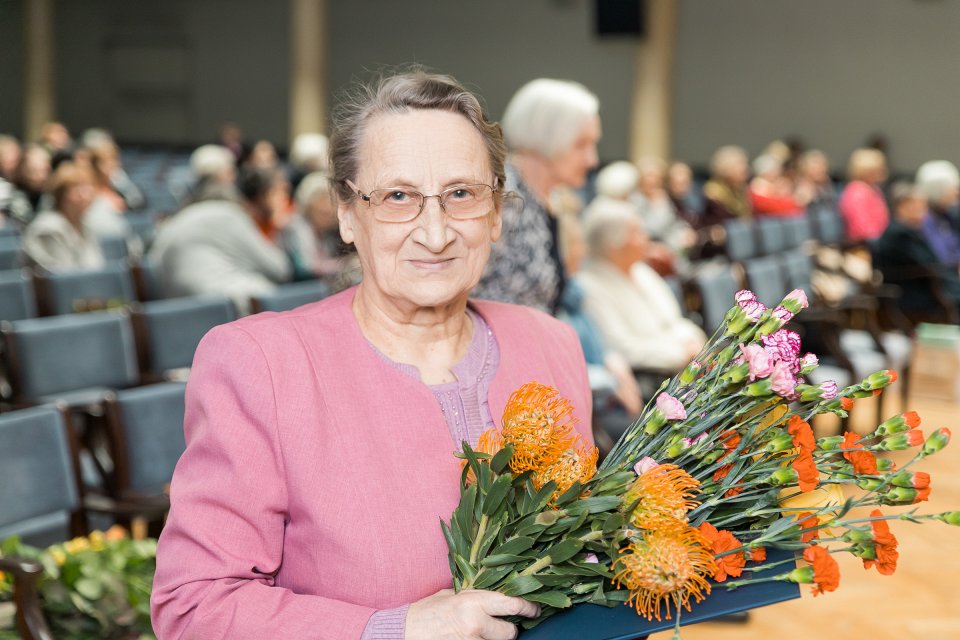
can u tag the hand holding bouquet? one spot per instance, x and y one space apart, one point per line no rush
721 466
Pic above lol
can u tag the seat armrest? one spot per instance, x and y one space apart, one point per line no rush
30 620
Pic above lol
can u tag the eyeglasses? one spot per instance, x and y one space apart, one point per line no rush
397 204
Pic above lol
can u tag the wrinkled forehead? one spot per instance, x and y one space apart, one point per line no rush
419 146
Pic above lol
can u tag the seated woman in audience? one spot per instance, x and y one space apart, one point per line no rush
308 154
57 239
105 217
214 174
26 199
771 192
727 197
223 247
320 441
633 307
687 200
862 204
120 182
10 152
551 128
939 181
905 258
814 184
312 235
610 375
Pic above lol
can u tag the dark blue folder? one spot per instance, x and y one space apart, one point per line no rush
593 622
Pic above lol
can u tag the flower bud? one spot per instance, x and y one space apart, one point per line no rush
779 443
808 363
911 480
713 456
937 440
950 517
801 575
901 441
690 372
759 389
795 301
785 475
879 380
886 464
736 373
831 443
655 423
858 536
869 484
902 495
899 424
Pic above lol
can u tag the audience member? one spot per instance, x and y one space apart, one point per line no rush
609 373
726 192
771 192
814 184
219 247
214 174
862 204
308 154
55 138
657 212
687 201
905 258
231 137
263 155
312 236
939 182
26 198
9 157
120 182
632 306
551 128
56 239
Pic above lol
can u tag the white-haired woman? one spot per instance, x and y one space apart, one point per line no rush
939 182
551 128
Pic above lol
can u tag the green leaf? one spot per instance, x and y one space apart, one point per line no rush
519 585
496 494
593 505
498 559
501 459
491 535
489 576
539 499
570 494
613 522
556 599
89 588
515 545
466 570
615 482
565 550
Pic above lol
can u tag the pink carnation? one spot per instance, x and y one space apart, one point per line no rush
798 296
670 407
745 295
829 390
753 309
761 364
784 346
591 558
692 442
809 360
782 381
782 314
645 464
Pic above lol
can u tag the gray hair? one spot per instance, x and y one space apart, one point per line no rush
309 152
936 179
399 94
617 180
545 116
723 157
210 159
605 225
314 185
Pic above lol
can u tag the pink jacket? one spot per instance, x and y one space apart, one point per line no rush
864 210
316 474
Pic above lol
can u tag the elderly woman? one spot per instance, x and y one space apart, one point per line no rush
552 128
939 182
862 205
57 239
634 309
320 441
726 193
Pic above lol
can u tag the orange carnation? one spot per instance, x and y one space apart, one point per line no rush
885 545
722 541
806 468
863 461
802 434
826 572
807 520
759 554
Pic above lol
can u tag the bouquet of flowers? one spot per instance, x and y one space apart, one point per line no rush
92 587
721 466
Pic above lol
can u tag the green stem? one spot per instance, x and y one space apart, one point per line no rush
481 531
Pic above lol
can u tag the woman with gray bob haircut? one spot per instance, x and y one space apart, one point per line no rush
320 441
552 128
939 182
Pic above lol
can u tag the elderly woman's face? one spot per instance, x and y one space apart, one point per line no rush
572 165
432 260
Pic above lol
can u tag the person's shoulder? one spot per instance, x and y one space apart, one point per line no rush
327 314
47 222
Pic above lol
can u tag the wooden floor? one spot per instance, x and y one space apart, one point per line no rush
920 601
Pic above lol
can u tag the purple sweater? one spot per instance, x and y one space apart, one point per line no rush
315 473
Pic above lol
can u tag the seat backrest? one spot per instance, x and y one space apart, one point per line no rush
717 286
772 234
797 231
17 300
765 278
168 331
829 225
11 255
146 425
114 247
741 240
38 482
93 290
676 286
9 232
798 269
50 356
290 296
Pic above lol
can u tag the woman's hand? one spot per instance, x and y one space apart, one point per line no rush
468 615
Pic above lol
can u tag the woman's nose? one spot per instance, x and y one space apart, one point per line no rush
434 223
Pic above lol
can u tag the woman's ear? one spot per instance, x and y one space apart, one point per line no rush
496 223
345 220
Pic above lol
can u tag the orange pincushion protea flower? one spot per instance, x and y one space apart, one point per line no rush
664 495
826 571
573 465
665 567
885 546
538 423
721 541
